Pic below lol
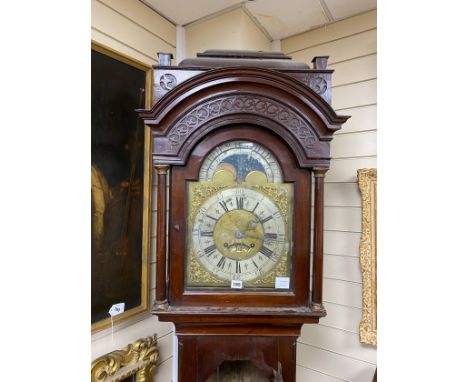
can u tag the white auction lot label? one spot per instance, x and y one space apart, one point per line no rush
237 284
282 282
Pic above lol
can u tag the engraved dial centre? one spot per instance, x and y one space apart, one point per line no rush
238 234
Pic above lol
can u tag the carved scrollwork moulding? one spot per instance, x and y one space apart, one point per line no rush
259 105
138 359
367 180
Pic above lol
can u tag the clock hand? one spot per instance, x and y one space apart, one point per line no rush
259 237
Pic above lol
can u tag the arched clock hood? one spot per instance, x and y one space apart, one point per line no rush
269 97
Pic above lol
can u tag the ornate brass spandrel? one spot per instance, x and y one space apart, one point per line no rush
199 275
138 359
198 193
367 179
281 270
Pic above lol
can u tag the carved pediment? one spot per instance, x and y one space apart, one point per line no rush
255 96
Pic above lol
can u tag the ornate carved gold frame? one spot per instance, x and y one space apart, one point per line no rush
137 359
367 179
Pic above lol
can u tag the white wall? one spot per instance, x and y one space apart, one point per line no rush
131 28
330 351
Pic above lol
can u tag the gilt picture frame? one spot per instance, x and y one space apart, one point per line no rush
135 362
367 180
121 182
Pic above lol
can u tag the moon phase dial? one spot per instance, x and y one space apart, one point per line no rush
241 159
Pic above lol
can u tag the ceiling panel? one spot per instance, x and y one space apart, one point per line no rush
285 18
279 18
341 9
183 12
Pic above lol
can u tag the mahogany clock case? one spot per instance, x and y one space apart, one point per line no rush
198 106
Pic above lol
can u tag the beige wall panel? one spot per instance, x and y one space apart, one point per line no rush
334 365
308 375
154 204
221 32
354 70
342 292
342 267
165 347
341 243
342 195
337 341
344 170
357 94
163 372
153 250
120 47
346 219
233 30
252 38
141 14
357 45
354 145
102 341
342 317
342 219
109 22
330 32
154 219
362 119
152 275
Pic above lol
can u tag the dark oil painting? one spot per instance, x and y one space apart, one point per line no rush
117 154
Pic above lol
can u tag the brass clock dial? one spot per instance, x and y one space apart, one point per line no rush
239 234
239 221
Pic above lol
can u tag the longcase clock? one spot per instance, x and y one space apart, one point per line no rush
237 138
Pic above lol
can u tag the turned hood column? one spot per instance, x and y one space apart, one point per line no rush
319 177
161 274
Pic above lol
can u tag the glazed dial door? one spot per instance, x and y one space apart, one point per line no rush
239 220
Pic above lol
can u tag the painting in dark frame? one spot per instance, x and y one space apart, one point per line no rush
118 184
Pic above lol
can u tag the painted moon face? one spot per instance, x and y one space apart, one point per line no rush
241 158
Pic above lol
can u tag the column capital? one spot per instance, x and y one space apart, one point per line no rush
161 169
160 306
319 172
